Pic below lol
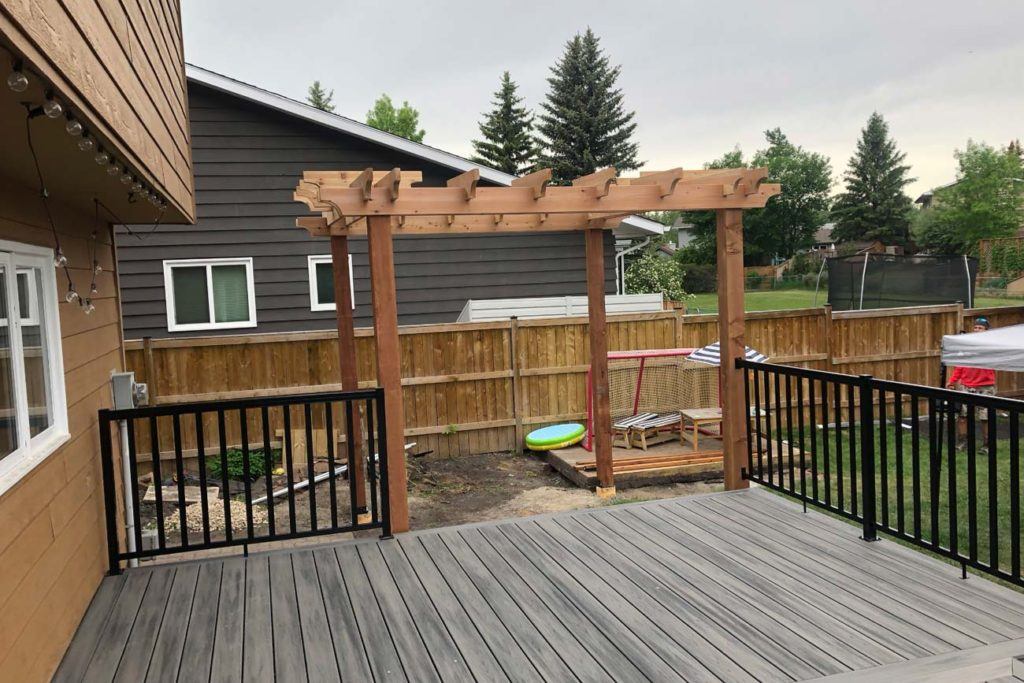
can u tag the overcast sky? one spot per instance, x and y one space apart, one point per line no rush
702 76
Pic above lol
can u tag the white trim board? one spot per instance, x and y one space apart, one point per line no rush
314 295
630 225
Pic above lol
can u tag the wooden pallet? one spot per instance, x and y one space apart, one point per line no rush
643 464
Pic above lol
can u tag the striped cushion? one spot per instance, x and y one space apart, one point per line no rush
633 420
658 421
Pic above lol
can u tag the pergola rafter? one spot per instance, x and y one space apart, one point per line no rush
381 204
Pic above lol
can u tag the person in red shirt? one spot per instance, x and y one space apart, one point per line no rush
973 381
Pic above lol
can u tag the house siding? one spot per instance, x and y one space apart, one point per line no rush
52 534
247 161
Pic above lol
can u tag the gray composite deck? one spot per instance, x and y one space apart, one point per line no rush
736 586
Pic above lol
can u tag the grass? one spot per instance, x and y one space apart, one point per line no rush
786 299
898 483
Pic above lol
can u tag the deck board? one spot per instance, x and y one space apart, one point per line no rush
731 587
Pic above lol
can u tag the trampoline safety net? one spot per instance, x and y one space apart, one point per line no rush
867 281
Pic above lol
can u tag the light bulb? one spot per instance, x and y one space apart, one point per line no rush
52 108
97 268
73 128
17 81
113 168
88 307
71 296
101 158
126 178
86 144
60 260
137 186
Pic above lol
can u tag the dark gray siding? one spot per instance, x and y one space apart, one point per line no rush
247 162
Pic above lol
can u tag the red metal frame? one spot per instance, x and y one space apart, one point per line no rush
643 355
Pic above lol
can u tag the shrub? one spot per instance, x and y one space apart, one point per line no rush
236 463
650 274
699 277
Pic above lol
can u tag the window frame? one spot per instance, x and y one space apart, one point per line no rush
33 304
312 262
33 450
209 263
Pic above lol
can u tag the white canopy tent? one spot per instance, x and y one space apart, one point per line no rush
999 349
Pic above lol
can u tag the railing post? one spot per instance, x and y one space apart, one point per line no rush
867 457
109 493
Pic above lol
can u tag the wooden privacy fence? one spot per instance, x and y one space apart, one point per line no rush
477 387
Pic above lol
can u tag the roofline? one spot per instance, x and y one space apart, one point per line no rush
344 124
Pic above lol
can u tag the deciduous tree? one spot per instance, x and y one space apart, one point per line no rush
403 121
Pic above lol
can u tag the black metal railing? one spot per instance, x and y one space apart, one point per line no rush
243 471
934 467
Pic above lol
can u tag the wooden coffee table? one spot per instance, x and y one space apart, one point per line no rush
693 419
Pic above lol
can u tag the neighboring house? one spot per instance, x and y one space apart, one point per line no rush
824 245
245 268
110 74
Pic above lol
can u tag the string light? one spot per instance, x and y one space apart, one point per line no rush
17 80
73 127
114 168
86 144
51 107
101 158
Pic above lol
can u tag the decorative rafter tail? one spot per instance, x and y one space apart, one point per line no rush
665 180
392 181
753 179
537 181
467 181
601 180
364 182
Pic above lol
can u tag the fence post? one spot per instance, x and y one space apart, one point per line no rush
517 390
867 457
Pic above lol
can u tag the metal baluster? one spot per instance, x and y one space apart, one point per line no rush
915 456
1015 495
180 472
243 426
268 465
800 425
826 461
350 444
972 485
109 494
331 463
758 421
778 431
883 456
769 444
869 503
933 469
814 439
852 436
750 436
133 469
898 420
225 492
287 410
384 496
837 395
993 493
789 433
953 538
204 503
372 448
307 413
158 480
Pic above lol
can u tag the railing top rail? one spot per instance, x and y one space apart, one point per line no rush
798 372
237 403
983 400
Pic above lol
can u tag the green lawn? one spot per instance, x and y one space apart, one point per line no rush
899 483
784 299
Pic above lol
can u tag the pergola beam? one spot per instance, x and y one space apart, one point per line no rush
508 201
417 225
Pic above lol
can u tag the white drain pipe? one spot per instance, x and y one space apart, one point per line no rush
620 265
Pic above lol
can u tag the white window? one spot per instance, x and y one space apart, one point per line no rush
321 283
209 294
33 406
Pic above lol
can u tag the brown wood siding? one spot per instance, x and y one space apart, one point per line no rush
121 63
52 536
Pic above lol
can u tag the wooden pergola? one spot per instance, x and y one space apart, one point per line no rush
381 204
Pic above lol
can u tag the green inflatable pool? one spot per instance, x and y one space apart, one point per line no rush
554 437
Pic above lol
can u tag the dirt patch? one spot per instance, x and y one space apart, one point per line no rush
477 488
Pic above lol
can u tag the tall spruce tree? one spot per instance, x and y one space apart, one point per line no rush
320 98
584 125
507 132
874 206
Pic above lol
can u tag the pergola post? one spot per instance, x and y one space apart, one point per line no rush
389 376
599 361
347 364
729 229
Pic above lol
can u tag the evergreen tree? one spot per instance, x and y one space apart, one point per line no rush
874 206
403 121
584 126
507 132
320 98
